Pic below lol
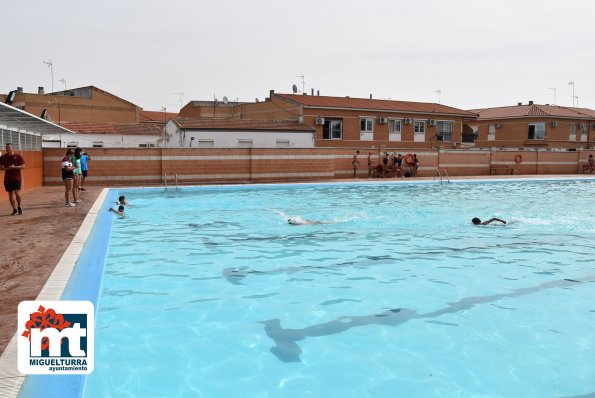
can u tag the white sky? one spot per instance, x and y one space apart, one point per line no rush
479 53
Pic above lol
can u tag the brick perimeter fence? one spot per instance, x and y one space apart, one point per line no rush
240 165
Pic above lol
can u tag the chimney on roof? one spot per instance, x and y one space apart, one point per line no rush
519 103
370 96
40 90
530 102
271 93
19 90
312 91
318 93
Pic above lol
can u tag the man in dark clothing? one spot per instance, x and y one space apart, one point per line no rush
12 164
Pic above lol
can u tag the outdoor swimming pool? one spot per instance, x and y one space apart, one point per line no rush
209 292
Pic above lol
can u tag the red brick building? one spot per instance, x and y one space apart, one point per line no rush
535 126
84 104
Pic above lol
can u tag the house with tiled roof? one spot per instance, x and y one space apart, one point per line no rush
156 117
83 104
367 122
237 133
106 135
535 126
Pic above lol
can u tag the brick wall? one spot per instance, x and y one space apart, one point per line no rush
240 165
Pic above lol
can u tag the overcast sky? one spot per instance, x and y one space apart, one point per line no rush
478 53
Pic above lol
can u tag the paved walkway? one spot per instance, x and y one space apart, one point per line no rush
32 245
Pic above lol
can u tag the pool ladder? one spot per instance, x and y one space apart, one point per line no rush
175 180
442 174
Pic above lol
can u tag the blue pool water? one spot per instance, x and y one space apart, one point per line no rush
210 292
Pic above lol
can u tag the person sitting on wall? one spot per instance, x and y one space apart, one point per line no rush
477 221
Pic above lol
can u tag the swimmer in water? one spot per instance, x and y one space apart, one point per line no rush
119 211
301 221
477 221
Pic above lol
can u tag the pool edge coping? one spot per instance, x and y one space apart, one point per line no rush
11 380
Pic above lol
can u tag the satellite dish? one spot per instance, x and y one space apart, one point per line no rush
225 100
294 89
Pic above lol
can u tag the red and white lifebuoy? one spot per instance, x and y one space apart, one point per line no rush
409 159
518 159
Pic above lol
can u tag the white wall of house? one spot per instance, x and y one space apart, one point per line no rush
103 140
178 138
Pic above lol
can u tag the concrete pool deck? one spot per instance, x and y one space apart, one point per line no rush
35 242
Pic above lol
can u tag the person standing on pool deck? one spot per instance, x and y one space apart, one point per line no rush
68 178
477 221
354 163
414 166
12 164
84 168
78 174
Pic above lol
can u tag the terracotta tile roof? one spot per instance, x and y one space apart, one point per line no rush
521 111
241 124
586 111
319 101
156 116
114 128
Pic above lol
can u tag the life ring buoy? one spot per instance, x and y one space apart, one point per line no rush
409 159
518 159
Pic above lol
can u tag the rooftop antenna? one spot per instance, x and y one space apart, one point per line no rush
294 89
303 82
551 88
573 96
180 95
51 66
63 81
439 92
164 110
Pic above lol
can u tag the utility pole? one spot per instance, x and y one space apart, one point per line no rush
51 66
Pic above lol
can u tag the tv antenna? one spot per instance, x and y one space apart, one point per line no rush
63 81
551 88
571 83
180 95
439 92
303 82
51 66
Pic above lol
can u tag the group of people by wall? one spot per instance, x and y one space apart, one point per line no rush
74 172
386 164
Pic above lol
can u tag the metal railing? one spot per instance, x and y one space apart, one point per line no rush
442 174
175 182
